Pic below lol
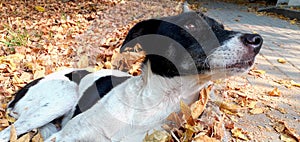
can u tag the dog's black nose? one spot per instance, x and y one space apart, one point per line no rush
253 40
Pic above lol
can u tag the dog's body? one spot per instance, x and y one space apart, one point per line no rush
179 62
172 71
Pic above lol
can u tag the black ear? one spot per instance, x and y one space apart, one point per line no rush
140 29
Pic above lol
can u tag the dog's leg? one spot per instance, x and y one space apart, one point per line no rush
46 102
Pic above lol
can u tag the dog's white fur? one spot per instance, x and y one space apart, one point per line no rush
40 104
131 109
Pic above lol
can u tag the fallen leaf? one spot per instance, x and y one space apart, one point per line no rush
256 111
39 9
238 133
229 106
13 134
281 60
37 138
274 92
158 136
293 22
24 138
287 138
205 138
83 61
187 113
279 127
198 107
295 83
259 71
175 118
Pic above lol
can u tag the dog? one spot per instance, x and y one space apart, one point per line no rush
183 53
44 102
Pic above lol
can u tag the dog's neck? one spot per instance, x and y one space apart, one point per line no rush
156 87
150 97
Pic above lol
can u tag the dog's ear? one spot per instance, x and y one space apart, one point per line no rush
142 28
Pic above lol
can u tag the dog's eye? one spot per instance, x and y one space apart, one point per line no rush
190 26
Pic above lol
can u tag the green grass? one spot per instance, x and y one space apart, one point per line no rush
15 37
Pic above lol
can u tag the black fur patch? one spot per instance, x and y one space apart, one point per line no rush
98 90
77 75
21 93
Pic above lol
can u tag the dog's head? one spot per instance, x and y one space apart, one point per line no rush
192 43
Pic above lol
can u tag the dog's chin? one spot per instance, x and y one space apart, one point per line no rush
241 65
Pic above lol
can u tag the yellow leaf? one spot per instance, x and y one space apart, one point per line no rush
295 83
9 118
39 9
257 111
158 136
252 104
83 62
237 133
274 92
259 71
281 60
287 138
293 22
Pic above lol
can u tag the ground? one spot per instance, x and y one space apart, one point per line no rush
38 37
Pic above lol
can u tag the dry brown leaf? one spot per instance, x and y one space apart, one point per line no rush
175 119
3 124
13 134
279 127
229 106
198 107
37 138
205 138
287 133
287 138
186 111
24 138
274 92
238 133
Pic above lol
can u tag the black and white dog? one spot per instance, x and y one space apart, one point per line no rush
183 53
178 64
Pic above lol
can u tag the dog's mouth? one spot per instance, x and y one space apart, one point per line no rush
240 65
